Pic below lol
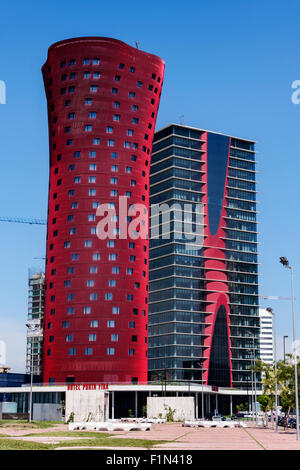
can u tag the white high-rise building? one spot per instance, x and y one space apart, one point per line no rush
266 336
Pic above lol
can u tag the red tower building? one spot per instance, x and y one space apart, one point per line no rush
103 98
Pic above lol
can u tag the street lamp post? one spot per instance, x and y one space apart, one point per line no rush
270 310
285 263
254 373
32 328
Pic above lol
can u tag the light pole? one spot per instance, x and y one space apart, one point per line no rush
270 310
252 388
284 338
285 263
254 372
33 328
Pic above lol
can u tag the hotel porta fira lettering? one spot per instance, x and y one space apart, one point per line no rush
87 387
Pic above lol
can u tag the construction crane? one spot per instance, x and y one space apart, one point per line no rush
23 220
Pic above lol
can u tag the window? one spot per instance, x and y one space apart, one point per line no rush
92 179
133 158
88 128
74 205
131 352
111 324
110 143
129 271
114 155
93 269
110 351
86 310
90 283
86 75
108 296
92 153
96 141
77 179
114 91
132 324
110 243
94 296
71 115
132 182
71 192
67 244
70 270
96 75
116 270
91 217
69 338
96 61
96 256
129 297
67 283
112 256
71 89
128 194
117 78
112 283
75 256
114 193
116 104
135 120
92 337
65 324
70 310
114 168
88 351
69 142
132 258
93 88
127 144
116 117
87 243
131 94
134 107
88 101
114 337
72 351
129 132
86 61
94 324
128 169
109 130
70 297
121 66
139 84
92 192
132 69
92 115
113 180
93 167
116 310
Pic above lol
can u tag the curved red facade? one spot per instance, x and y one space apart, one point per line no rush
103 98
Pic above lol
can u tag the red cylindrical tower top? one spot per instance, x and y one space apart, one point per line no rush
103 98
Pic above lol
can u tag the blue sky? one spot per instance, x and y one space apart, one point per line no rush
229 68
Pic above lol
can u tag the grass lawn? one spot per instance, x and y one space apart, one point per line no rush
93 439
24 424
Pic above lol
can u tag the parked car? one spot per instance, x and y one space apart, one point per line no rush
238 416
215 417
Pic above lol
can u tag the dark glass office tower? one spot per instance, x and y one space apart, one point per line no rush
203 301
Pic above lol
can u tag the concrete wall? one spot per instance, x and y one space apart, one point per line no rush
47 412
87 405
184 407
